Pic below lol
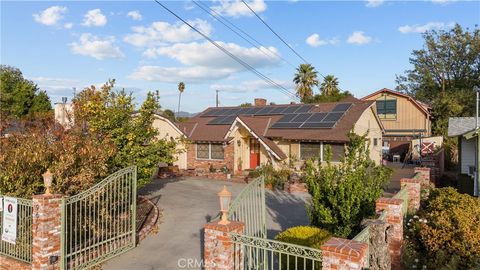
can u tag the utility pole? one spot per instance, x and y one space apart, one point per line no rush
74 92
217 97
476 190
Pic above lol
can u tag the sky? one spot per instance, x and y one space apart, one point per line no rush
62 45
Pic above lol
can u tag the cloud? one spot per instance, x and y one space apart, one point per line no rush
421 28
315 41
159 33
207 55
359 38
68 25
251 86
374 3
175 74
56 85
50 16
98 48
237 8
135 15
94 17
443 2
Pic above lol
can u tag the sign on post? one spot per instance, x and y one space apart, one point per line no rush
9 231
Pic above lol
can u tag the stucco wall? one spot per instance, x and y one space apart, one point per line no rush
167 131
368 123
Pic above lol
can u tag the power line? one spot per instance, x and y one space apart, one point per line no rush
243 63
224 21
273 31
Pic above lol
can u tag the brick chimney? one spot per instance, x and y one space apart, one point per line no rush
260 102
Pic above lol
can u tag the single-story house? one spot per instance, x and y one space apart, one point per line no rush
466 130
242 138
403 117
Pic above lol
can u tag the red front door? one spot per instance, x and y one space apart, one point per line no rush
254 153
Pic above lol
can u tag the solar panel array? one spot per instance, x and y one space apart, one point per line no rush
294 116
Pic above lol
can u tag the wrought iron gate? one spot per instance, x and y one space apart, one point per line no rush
253 250
99 223
249 207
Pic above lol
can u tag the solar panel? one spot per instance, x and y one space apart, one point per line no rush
342 107
228 120
265 111
317 117
302 117
242 111
304 109
253 110
287 118
286 125
218 120
291 109
333 117
278 110
234 111
318 125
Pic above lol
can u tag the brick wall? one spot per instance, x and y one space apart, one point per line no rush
413 188
7 263
204 165
220 252
341 253
394 217
424 174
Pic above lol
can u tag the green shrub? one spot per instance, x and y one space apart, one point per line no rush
445 234
304 236
276 178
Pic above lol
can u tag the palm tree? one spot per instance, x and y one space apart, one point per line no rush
181 88
305 79
329 85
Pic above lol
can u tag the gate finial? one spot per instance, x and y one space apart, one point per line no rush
47 181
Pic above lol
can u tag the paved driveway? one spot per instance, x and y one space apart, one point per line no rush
187 205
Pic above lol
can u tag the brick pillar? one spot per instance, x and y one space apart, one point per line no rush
424 174
339 253
46 230
394 217
414 187
219 250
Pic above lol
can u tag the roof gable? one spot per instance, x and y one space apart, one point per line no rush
422 106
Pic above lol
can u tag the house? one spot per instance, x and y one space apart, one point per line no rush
467 130
242 138
403 118
64 113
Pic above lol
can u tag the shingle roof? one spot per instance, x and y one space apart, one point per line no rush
198 129
460 125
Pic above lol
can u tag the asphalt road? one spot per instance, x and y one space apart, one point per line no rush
187 205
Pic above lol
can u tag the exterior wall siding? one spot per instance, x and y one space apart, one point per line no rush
467 155
409 117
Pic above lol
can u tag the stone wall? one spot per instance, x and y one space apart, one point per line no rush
203 165
219 249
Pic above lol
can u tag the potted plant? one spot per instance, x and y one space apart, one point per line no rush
227 172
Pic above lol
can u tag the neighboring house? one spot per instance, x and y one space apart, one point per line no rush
465 129
403 118
244 138
64 113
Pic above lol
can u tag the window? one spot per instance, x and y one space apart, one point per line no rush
338 151
386 108
309 150
210 151
375 141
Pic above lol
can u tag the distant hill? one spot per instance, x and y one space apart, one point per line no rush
185 114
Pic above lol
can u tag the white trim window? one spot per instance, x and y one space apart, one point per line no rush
213 151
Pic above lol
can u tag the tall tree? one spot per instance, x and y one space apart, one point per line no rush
329 85
181 88
20 97
305 79
445 71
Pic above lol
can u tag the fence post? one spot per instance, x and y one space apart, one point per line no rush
424 174
339 253
46 231
413 187
394 216
219 249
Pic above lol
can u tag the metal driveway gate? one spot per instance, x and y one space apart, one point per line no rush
99 223
249 207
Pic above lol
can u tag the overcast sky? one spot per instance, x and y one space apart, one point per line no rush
61 45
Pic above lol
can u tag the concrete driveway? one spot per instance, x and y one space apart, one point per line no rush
187 205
